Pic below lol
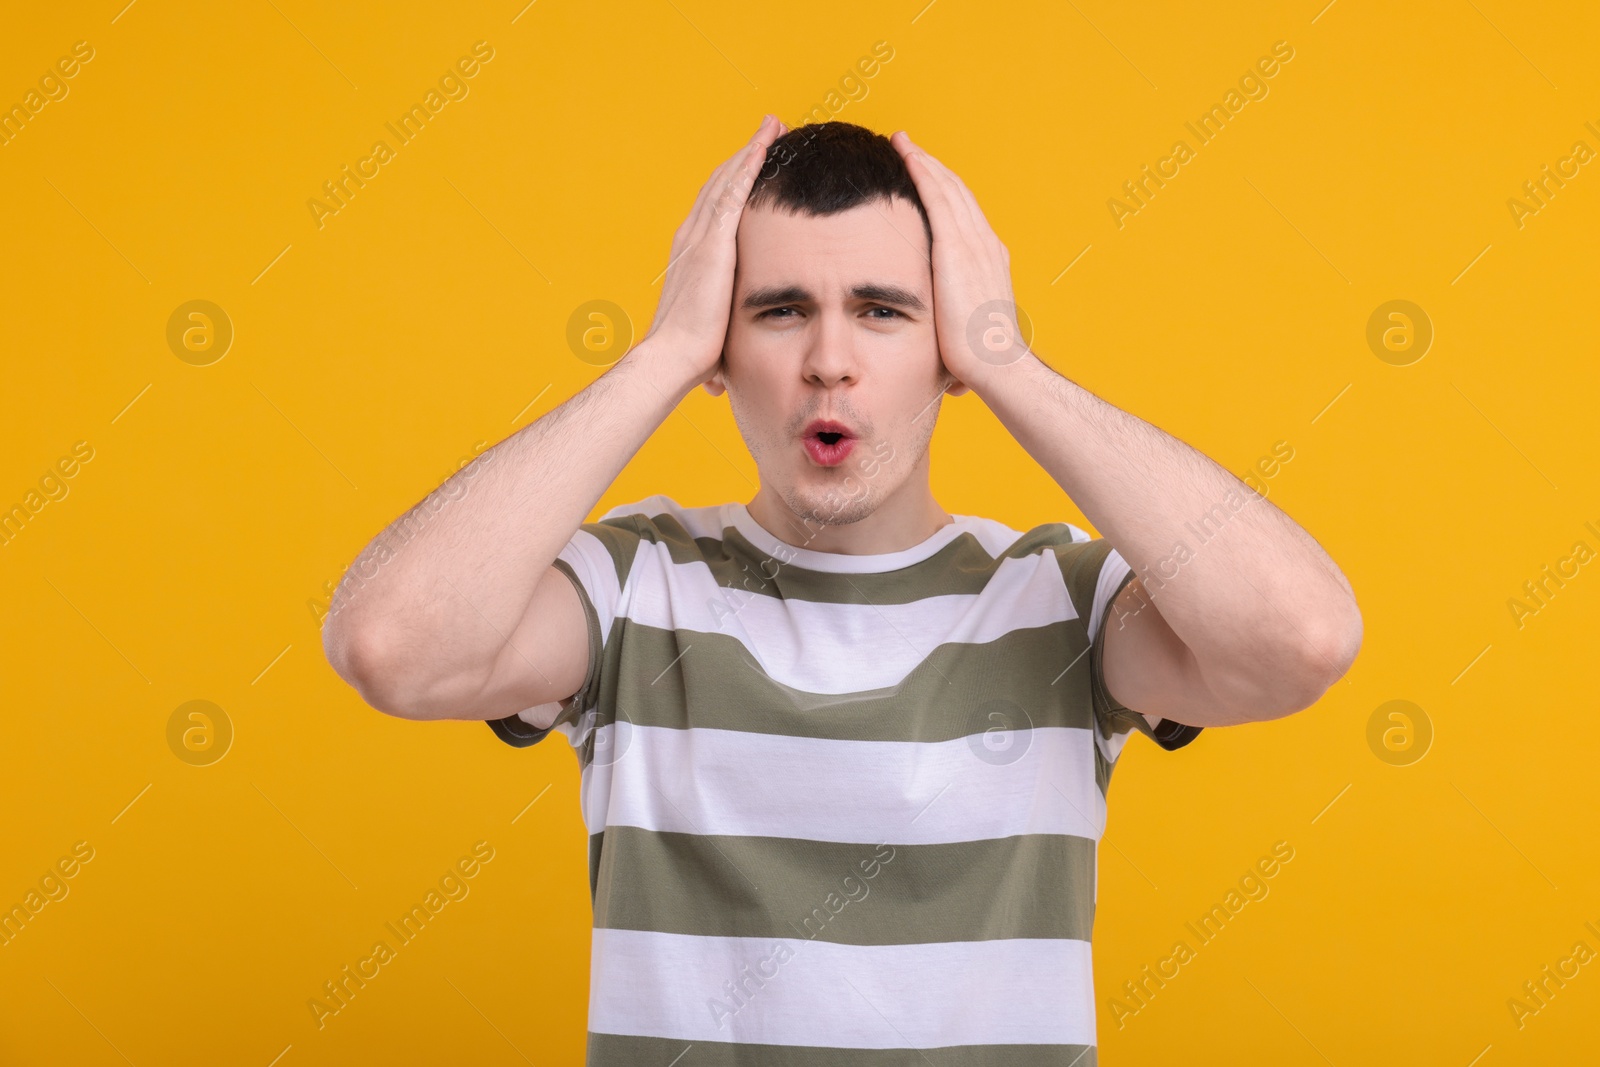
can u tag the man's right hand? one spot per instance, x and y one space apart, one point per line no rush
691 321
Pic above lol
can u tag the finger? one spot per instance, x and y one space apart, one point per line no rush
946 217
754 160
714 184
744 172
728 188
933 183
960 197
935 164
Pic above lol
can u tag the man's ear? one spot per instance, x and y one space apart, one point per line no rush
954 386
715 385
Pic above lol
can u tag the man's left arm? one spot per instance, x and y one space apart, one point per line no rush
1255 623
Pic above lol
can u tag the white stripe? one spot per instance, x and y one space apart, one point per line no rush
706 781
842 648
738 516
1014 991
597 573
1111 572
532 715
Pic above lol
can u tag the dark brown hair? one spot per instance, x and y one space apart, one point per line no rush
828 167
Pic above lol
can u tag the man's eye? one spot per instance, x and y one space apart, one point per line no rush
776 313
892 313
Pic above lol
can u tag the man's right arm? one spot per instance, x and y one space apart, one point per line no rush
462 615
466 618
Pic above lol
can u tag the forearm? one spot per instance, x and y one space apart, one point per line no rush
471 553
1246 589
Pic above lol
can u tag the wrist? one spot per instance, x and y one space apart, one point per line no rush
654 361
995 381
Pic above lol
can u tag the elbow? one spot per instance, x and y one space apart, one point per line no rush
360 656
1298 677
1336 645
1326 656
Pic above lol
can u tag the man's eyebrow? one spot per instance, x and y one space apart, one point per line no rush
889 294
778 295
773 296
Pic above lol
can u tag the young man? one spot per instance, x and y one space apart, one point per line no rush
844 755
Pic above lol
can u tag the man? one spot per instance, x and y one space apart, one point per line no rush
844 755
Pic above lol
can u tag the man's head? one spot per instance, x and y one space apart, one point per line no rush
832 322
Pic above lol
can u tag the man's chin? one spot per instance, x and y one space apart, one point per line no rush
817 506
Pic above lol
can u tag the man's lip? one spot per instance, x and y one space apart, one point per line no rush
817 426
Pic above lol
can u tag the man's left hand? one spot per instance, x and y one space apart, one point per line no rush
975 313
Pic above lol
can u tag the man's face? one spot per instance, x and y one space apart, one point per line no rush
832 323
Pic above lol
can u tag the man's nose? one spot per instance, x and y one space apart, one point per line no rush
831 352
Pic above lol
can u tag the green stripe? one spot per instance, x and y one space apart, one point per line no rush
1029 885
617 1050
962 567
621 537
1080 569
596 852
652 675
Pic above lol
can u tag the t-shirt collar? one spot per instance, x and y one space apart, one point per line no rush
738 516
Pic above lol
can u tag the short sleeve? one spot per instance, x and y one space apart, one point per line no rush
597 561
1095 573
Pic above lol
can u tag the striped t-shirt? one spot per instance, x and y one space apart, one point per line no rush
843 809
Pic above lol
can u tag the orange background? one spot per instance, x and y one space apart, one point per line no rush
369 355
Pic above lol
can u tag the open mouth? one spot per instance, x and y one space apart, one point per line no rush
828 442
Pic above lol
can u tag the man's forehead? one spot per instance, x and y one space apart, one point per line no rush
901 296
876 243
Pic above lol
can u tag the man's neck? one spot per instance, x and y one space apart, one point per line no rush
904 520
